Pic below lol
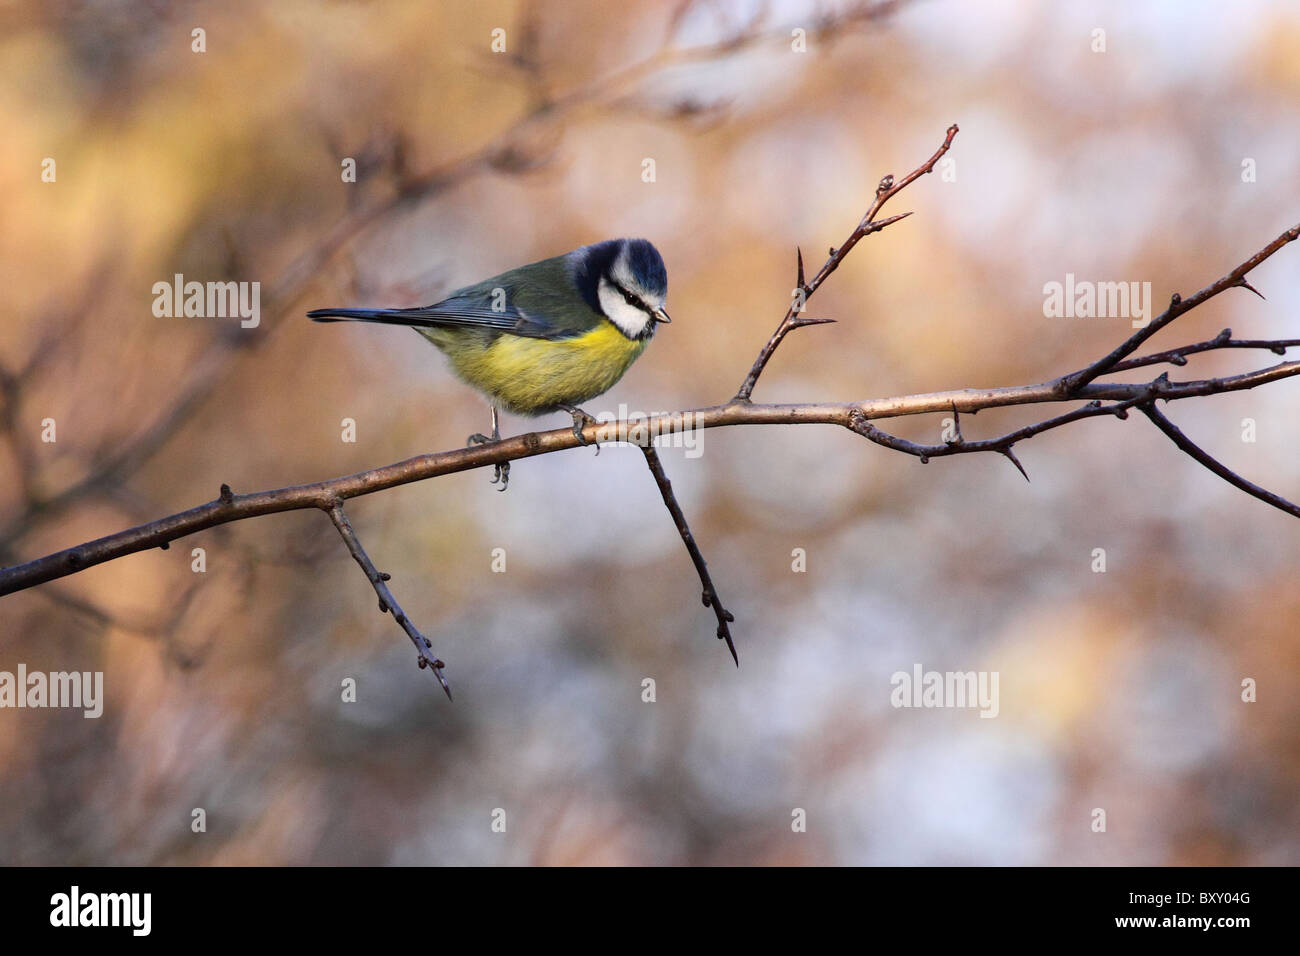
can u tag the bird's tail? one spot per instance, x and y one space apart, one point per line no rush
420 318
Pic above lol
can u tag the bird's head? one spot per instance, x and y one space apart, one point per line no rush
625 280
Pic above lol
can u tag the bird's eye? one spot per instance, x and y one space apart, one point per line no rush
629 298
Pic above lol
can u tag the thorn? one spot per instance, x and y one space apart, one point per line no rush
1246 285
724 635
1224 336
801 321
876 225
437 665
799 253
1011 456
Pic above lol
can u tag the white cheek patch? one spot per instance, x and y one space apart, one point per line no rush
630 320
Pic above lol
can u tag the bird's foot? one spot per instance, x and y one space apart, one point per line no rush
502 472
581 420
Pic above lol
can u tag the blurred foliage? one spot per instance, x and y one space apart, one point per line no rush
1118 690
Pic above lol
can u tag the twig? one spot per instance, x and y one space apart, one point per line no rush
1187 446
1003 444
710 595
387 603
1236 279
865 227
1223 340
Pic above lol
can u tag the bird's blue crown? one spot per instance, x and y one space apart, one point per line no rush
642 260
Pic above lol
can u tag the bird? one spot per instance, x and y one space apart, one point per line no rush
543 337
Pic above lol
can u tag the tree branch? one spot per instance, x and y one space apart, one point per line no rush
1223 340
710 598
804 290
1186 445
1002 445
1104 398
1236 279
231 507
387 603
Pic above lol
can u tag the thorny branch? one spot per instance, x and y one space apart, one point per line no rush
1223 340
1174 433
1102 398
1236 279
804 290
710 597
387 603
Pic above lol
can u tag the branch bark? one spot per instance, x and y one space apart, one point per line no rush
231 507
885 191
1175 435
710 596
387 603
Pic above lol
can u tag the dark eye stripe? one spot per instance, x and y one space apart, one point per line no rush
631 299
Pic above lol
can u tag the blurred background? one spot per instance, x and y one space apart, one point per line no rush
1118 690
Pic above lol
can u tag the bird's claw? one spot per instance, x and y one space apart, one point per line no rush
502 472
580 421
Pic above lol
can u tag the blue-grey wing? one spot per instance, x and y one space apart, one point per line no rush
495 312
536 301
451 314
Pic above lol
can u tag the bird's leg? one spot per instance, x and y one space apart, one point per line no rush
580 420
502 473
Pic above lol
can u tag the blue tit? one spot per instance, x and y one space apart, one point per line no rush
547 336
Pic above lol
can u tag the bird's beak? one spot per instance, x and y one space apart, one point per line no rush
661 316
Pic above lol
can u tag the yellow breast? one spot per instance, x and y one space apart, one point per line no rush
532 376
